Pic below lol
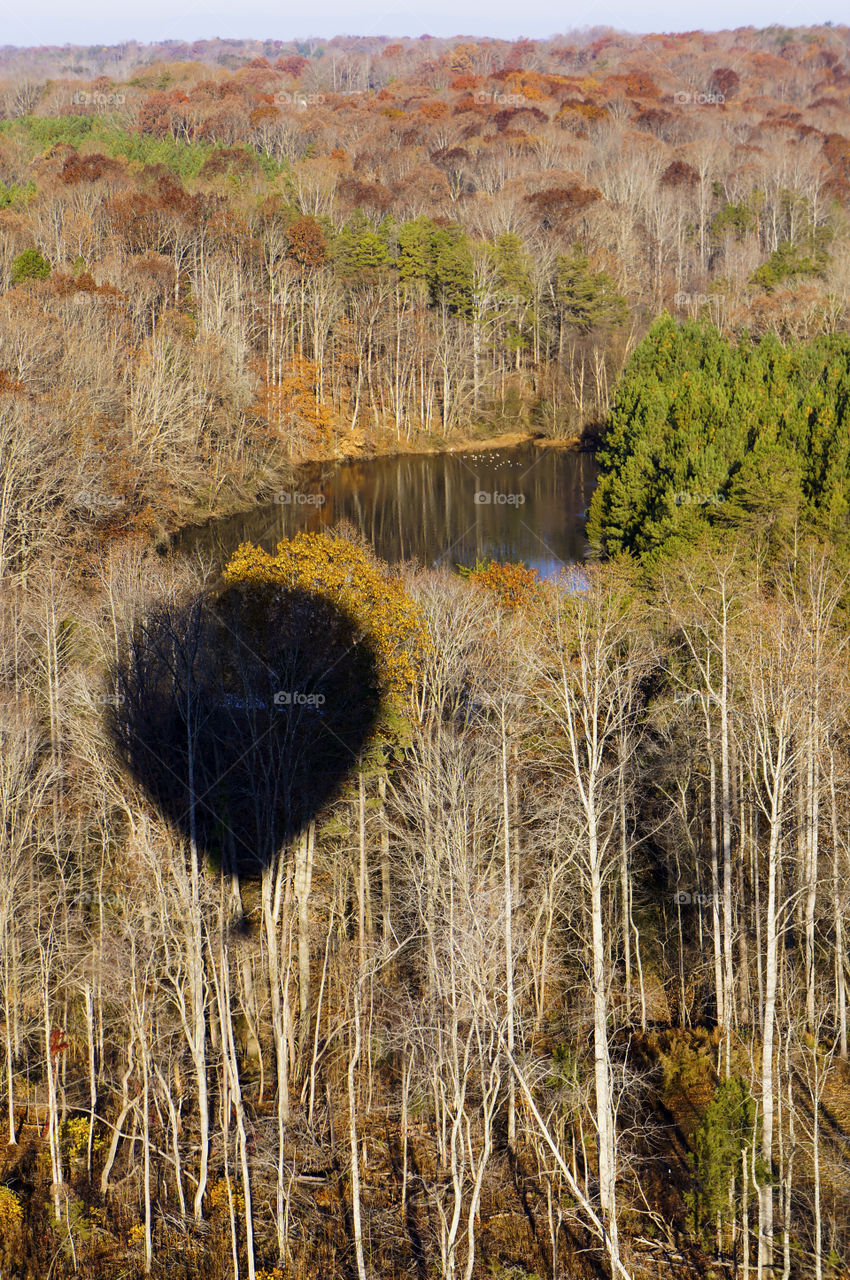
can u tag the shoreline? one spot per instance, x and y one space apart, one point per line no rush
167 538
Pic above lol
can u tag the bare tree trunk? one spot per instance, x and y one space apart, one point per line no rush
362 867
6 944
274 891
386 882
87 997
765 1254
305 847
195 947
146 1148
509 911
719 994
625 890
353 1059
51 1060
727 1015
602 1064
838 917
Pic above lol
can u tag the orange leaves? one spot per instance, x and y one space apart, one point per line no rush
293 408
529 84
515 586
266 114
307 243
588 110
463 83
462 58
435 110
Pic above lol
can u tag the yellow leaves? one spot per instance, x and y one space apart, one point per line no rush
349 575
529 84
11 1213
75 1133
222 1195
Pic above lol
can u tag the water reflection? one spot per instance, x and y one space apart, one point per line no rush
523 503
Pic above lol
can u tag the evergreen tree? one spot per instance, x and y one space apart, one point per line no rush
704 432
588 299
450 268
29 265
359 250
723 1140
413 241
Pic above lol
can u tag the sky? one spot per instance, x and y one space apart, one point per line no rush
101 22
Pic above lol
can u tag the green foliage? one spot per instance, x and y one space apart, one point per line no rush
765 497
15 194
450 269
727 1130
685 1073
589 299
565 1070
186 159
789 260
43 132
29 265
513 267
359 251
436 262
414 244
735 219
703 433
271 168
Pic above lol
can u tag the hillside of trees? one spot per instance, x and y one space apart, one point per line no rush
211 268
364 922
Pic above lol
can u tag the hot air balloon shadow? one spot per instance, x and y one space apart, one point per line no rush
242 712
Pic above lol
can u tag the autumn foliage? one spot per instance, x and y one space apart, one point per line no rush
515 586
222 257
347 574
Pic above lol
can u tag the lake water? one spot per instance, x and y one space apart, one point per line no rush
522 503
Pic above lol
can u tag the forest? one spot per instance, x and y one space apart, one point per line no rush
212 268
359 920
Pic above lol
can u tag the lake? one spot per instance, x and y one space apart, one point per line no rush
519 503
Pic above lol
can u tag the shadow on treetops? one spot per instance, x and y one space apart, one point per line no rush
242 713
